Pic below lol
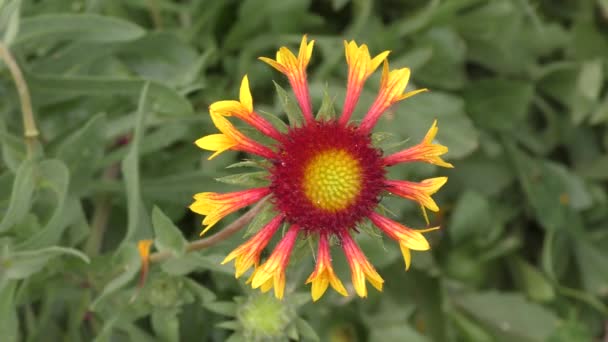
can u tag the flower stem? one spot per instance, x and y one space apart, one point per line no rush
30 132
101 214
220 236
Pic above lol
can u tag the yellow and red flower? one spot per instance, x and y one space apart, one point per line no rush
325 177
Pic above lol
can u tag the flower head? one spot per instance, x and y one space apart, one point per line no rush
325 177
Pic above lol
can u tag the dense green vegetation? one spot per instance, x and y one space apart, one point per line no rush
120 90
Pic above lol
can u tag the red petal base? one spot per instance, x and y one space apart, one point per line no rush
300 145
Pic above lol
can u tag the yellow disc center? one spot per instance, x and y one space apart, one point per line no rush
332 180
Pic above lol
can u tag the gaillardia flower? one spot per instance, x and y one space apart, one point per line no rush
325 176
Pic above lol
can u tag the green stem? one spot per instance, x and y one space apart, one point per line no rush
30 131
220 236
101 214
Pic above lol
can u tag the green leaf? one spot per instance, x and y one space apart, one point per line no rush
54 176
543 188
13 149
165 324
571 331
9 323
600 112
82 150
261 219
294 115
190 262
162 98
445 67
577 195
532 281
576 86
594 169
176 64
509 315
204 294
327 111
58 27
21 196
279 124
498 104
592 262
20 265
501 37
229 325
157 140
389 322
415 21
246 163
469 328
168 236
127 261
222 308
306 331
137 228
248 179
472 216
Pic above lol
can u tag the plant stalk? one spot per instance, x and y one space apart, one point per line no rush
220 236
30 131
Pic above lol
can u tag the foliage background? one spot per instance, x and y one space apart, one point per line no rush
120 91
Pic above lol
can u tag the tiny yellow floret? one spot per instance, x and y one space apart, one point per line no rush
332 180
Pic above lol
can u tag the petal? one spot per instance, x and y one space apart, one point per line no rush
407 256
361 268
431 133
227 108
274 64
303 51
413 239
425 151
215 206
288 60
143 247
275 265
242 142
279 284
245 95
337 285
411 93
323 274
419 192
416 241
375 62
216 142
319 286
392 85
248 254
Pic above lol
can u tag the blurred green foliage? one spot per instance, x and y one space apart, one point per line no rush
120 91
